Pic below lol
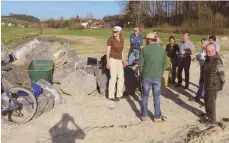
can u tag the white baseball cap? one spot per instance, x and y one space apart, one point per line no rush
118 28
151 36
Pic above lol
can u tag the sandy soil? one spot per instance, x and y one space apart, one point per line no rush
95 119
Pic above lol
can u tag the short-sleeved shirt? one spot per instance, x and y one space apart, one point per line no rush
186 46
116 47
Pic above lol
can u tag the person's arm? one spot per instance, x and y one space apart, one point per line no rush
141 61
164 66
141 40
177 49
132 41
123 59
167 49
191 50
221 73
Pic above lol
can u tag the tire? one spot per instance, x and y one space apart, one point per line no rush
23 101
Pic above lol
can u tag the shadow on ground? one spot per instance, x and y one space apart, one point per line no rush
60 132
168 93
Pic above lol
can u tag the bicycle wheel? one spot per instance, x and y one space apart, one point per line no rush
27 106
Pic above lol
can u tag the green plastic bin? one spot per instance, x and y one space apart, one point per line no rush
41 69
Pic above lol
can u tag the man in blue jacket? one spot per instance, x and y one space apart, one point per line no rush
136 41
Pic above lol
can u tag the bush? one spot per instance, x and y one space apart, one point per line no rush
76 26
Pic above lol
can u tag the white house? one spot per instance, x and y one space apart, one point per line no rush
84 24
3 24
9 25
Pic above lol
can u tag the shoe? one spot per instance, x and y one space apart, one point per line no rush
143 119
162 118
178 85
197 99
186 87
117 99
112 99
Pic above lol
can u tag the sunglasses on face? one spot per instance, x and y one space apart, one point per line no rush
115 31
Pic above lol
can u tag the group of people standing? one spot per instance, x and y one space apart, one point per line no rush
152 62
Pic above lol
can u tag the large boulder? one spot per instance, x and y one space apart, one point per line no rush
38 53
80 64
64 56
17 76
26 48
79 82
5 59
60 73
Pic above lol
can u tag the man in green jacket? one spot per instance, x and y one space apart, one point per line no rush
152 64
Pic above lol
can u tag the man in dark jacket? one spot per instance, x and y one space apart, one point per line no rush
214 79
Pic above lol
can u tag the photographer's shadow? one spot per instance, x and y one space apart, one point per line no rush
60 132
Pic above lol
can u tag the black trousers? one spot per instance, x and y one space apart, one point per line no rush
210 104
184 63
174 62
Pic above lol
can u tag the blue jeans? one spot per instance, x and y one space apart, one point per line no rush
134 53
147 84
200 91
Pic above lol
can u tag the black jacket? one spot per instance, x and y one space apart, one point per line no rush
214 76
172 51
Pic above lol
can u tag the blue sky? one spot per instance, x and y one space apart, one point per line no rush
56 9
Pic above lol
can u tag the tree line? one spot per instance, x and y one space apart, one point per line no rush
23 17
190 16
72 23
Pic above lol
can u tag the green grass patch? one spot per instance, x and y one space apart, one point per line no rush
18 34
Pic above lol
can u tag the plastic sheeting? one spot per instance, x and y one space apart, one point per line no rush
49 87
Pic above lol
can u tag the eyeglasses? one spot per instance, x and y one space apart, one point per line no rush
115 31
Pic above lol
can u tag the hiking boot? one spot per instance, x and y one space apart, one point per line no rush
197 99
186 86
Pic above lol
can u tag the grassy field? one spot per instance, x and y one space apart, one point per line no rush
15 35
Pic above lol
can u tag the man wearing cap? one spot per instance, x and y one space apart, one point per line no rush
186 50
152 64
136 41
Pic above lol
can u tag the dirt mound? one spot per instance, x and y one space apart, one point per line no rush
210 133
